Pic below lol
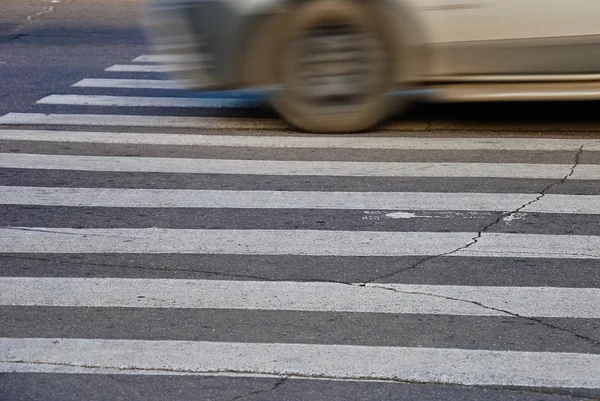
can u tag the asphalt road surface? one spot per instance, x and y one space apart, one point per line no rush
164 245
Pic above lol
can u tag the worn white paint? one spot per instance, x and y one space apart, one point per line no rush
112 120
508 219
301 296
534 246
149 101
265 141
296 168
146 68
401 215
127 83
555 203
295 242
244 242
162 58
439 365
184 198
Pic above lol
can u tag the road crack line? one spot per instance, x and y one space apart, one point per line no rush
371 283
277 384
140 267
491 308
282 378
72 232
485 229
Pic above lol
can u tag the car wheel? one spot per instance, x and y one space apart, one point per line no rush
335 68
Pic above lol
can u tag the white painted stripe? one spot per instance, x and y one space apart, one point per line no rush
151 58
167 84
498 245
163 58
183 198
555 203
301 296
149 101
113 120
146 68
440 365
321 142
235 123
295 168
21 367
127 83
249 242
295 242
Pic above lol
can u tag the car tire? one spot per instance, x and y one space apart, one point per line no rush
338 82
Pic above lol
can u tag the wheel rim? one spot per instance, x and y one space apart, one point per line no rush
334 67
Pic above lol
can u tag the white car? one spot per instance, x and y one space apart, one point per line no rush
345 65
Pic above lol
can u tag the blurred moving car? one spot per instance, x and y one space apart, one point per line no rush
333 64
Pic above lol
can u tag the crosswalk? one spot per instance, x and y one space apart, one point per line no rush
398 256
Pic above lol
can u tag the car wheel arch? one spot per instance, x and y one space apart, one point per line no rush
256 58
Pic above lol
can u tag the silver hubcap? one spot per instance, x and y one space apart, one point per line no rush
336 66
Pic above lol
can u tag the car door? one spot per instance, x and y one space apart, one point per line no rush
512 36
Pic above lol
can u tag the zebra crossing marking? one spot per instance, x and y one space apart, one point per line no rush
127 83
150 101
162 58
117 120
296 242
186 198
297 168
546 302
431 365
303 142
161 68
428 365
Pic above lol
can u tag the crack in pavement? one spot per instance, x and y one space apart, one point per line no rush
534 254
285 377
503 216
139 368
371 283
277 384
173 269
72 232
177 269
141 267
492 308
11 36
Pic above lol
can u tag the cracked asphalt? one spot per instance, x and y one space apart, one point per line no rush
48 45
486 228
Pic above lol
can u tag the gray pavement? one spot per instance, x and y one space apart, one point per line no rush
137 346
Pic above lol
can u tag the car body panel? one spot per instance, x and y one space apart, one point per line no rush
483 20
438 40
512 36
555 56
